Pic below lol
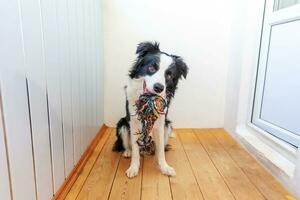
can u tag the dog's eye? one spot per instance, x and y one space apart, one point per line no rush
152 69
168 76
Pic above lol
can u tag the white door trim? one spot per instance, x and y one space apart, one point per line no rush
271 18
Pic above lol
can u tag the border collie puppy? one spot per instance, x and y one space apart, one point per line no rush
154 72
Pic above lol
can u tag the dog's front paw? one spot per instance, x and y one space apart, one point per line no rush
127 153
167 170
132 171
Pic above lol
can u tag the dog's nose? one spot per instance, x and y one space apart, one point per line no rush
158 87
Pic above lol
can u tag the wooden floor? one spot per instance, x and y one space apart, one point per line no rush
208 162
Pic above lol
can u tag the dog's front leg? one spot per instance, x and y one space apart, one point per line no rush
133 170
158 133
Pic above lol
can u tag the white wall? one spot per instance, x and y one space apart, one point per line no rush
196 30
237 39
51 92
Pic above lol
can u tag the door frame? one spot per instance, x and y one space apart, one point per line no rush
271 18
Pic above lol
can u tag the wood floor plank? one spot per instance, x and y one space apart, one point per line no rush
238 182
155 185
264 181
123 187
73 193
99 181
209 164
209 179
184 184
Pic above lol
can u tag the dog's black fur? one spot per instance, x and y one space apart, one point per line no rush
149 54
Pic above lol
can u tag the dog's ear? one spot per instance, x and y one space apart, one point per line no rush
146 47
182 67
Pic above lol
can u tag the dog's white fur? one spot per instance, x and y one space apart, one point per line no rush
160 134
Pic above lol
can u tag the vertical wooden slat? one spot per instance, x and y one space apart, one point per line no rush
87 68
82 77
92 70
93 25
66 89
97 63
15 102
4 173
36 76
88 62
74 63
50 32
49 80
99 53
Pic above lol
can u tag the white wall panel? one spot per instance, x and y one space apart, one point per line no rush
66 89
82 71
15 103
94 67
88 65
100 70
74 62
36 76
50 71
4 174
97 56
49 14
91 73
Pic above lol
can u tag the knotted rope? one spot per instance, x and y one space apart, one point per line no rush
148 108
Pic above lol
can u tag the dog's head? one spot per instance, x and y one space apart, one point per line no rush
159 70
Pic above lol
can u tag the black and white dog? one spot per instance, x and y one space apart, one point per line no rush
156 72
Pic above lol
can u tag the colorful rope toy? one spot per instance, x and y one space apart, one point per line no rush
148 108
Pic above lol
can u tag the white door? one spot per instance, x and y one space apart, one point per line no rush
277 96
